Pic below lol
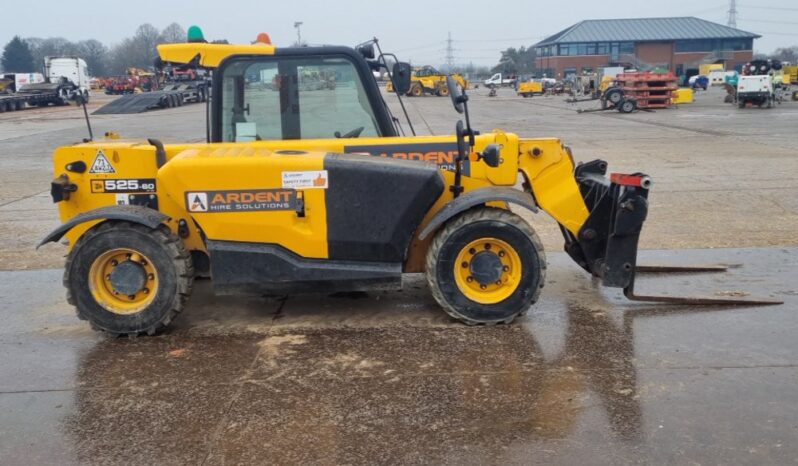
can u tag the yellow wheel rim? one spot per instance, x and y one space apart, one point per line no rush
505 264
123 301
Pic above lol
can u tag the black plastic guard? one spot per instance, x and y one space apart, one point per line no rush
129 213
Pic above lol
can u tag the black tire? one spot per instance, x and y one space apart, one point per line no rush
416 90
740 104
443 91
175 275
627 106
614 95
2 107
457 234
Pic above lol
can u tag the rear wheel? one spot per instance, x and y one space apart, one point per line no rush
627 106
487 266
416 90
128 279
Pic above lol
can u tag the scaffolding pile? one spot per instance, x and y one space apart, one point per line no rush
650 90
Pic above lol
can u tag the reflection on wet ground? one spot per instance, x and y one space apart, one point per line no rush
585 378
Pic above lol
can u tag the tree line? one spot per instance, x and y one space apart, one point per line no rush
27 54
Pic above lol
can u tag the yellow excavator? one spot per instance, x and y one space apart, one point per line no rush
323 190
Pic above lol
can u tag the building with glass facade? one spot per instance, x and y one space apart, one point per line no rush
677 44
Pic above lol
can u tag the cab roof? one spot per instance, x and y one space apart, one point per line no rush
209 55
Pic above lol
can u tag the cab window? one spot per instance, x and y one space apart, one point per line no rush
294 98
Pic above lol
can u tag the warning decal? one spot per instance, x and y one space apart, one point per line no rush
254 200
311 179
101 164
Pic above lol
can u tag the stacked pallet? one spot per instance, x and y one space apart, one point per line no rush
651 90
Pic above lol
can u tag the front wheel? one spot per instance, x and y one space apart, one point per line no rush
487 266
128 279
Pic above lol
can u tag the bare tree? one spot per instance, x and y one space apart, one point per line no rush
172 34
788 54
96 56
51 47
137 51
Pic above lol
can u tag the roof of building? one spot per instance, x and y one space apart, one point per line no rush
645 29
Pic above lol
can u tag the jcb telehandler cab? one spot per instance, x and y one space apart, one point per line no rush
307 186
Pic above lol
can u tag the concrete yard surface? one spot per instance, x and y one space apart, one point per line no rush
585 377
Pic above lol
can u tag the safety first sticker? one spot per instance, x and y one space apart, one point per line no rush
101 164
311 179
254 200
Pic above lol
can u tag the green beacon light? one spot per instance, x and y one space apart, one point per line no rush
195 34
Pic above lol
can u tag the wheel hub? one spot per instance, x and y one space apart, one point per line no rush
487 270
128 278
486 267
123 281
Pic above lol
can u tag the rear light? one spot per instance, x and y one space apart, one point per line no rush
640 181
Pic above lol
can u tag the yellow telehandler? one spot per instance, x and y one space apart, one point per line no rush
318 190
426 80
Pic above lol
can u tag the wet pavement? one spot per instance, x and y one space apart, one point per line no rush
585 378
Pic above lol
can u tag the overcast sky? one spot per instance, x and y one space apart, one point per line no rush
416 30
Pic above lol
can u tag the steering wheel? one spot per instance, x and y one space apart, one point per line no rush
352 134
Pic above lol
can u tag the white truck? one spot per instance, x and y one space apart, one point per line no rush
499 81
64 79
756 90
73 69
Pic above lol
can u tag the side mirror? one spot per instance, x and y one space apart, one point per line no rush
456 93
367 50
492 155
400 76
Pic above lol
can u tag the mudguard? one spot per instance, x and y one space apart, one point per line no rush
475 198
129 213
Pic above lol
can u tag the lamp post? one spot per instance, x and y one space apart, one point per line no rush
298 26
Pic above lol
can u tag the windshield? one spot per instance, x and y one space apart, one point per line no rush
294 98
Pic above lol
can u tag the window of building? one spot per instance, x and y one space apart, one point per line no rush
569 72
602 48
737 44
712 45
628 47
